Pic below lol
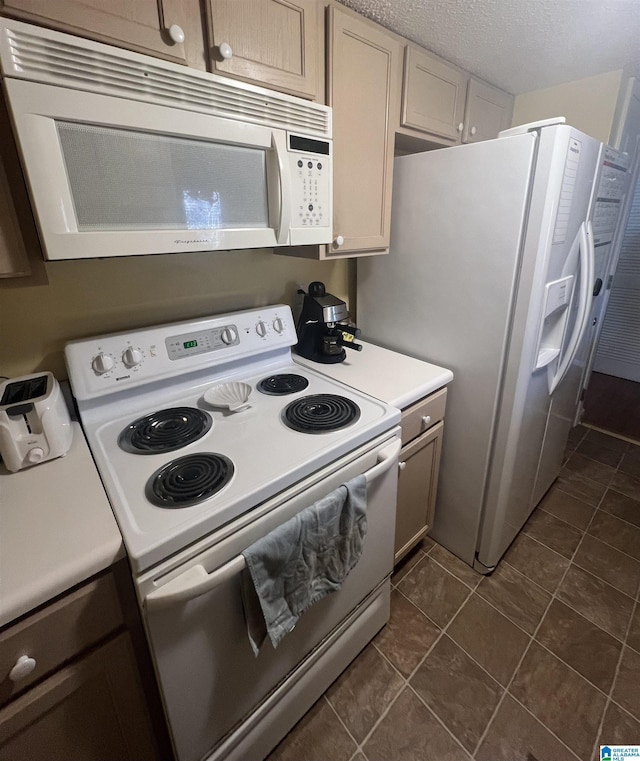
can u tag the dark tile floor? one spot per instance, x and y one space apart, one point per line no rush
539 661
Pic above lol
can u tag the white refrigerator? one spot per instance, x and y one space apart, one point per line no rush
491 273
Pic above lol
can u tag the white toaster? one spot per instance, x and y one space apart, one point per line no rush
34 421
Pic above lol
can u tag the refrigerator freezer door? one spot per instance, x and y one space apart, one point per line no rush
533 425
445 294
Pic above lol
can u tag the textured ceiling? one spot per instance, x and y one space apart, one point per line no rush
519 45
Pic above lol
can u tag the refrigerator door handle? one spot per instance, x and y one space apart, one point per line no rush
587 272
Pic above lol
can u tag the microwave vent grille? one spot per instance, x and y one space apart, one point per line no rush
65 61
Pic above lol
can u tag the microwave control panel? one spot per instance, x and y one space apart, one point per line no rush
310 162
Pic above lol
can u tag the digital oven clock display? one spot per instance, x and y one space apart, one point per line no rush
190 344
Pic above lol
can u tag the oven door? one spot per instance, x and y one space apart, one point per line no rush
210 680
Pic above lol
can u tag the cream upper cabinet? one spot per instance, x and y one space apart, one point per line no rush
168 29
433 96
276 43
13 257
363 66
443 105
18 235
488 110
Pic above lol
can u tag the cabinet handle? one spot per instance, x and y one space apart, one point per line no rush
402 465
339 240
176 33
460 126
225 50
22 668
473 131
426 419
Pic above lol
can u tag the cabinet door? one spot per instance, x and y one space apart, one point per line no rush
142 25
20 253
363 65
417 485
13 257
92 710
277 43
488 111
433 95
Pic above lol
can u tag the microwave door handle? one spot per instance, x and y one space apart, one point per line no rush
279 145
196 581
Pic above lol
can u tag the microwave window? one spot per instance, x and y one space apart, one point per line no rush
127 180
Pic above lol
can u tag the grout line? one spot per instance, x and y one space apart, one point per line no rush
553 597
348 731
416 668
615 678
613 435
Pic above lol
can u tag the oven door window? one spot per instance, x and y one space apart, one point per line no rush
129 180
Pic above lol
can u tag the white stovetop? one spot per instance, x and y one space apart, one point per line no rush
393 378
267 456
56 529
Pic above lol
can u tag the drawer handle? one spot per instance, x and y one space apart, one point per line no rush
22 668
402 465
426 419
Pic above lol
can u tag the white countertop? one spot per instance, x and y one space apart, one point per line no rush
387 375
56 529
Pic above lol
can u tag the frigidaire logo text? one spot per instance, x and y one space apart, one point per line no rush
192 240
123 377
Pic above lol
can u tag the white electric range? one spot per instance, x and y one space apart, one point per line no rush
192 484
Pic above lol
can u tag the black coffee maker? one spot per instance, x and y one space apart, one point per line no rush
323 332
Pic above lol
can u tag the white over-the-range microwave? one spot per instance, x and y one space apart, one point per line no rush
126 154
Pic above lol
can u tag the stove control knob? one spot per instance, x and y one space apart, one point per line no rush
261 328
35 455
278 325
228 336
102 363
132 357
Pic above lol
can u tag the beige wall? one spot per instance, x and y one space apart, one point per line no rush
588 104
100 296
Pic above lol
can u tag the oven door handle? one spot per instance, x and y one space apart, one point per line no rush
196 581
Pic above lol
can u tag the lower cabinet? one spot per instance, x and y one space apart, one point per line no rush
76 683
91 710
422 427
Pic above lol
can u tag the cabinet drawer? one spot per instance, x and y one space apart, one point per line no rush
422 415
59 632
